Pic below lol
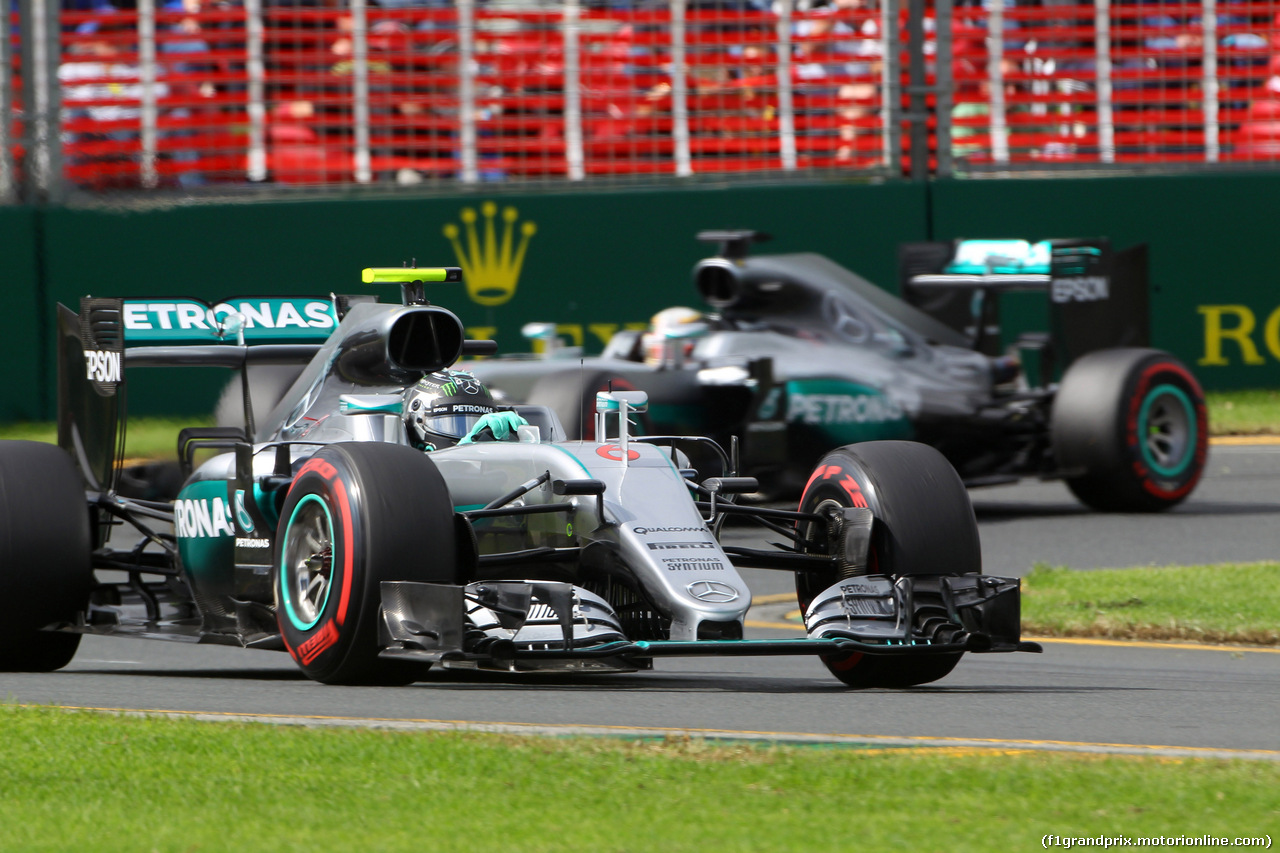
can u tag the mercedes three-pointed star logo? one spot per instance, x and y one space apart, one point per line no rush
712 591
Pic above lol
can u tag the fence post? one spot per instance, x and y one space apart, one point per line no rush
891 88
1106 113
786 103
572 93
943 87
995 84
917 91
147 77
42 95
256 71
360 90
7 187
1209 20
680 91
466 10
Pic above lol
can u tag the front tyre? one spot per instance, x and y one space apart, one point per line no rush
924 525
45 547
357 514
1130 430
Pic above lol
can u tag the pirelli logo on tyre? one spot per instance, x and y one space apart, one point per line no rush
318 642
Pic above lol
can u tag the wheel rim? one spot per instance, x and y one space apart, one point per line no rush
306 567
1167 430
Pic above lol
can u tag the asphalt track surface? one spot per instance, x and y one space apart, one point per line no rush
1086 696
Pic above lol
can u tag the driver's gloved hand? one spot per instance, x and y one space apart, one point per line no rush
501 424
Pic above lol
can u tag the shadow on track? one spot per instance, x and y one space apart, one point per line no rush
989 511
648 682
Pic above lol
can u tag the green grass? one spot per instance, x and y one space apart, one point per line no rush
75 780
145 438
1244 412
1214 604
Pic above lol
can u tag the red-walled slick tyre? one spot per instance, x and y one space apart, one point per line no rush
357 514
1130 430
924 525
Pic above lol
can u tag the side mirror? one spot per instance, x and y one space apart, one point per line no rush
232 324
611 401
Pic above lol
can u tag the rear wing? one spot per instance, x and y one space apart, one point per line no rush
108 335
265 319
1097 296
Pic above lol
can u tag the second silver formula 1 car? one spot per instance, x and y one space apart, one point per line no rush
799 356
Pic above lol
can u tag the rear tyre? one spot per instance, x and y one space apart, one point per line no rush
45 547
358 514
924 525
572 396
1130 430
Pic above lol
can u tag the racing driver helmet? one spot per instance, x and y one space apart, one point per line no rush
443 407
671 336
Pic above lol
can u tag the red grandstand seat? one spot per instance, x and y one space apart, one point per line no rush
291 134
1265 108
1253 131
309 164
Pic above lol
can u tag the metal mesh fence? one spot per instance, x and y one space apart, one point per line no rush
190 94
1143 85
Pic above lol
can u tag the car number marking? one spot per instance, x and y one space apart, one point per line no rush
614 452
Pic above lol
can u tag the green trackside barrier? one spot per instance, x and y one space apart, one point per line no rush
595 262
27 342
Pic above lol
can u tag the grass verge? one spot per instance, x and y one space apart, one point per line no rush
1244 412
76 780
145 438
1207 604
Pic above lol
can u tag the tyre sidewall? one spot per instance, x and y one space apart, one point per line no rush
45 568
1164 377
900 482
924 522
1097 425
321 648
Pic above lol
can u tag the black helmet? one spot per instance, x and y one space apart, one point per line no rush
443 407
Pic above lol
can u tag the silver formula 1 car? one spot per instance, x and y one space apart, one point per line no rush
386 516
800 355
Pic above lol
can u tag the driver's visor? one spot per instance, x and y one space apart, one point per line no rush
454 425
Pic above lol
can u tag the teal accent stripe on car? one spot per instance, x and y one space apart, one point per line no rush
584 468
205 530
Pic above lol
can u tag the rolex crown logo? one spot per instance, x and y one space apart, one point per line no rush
490 265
